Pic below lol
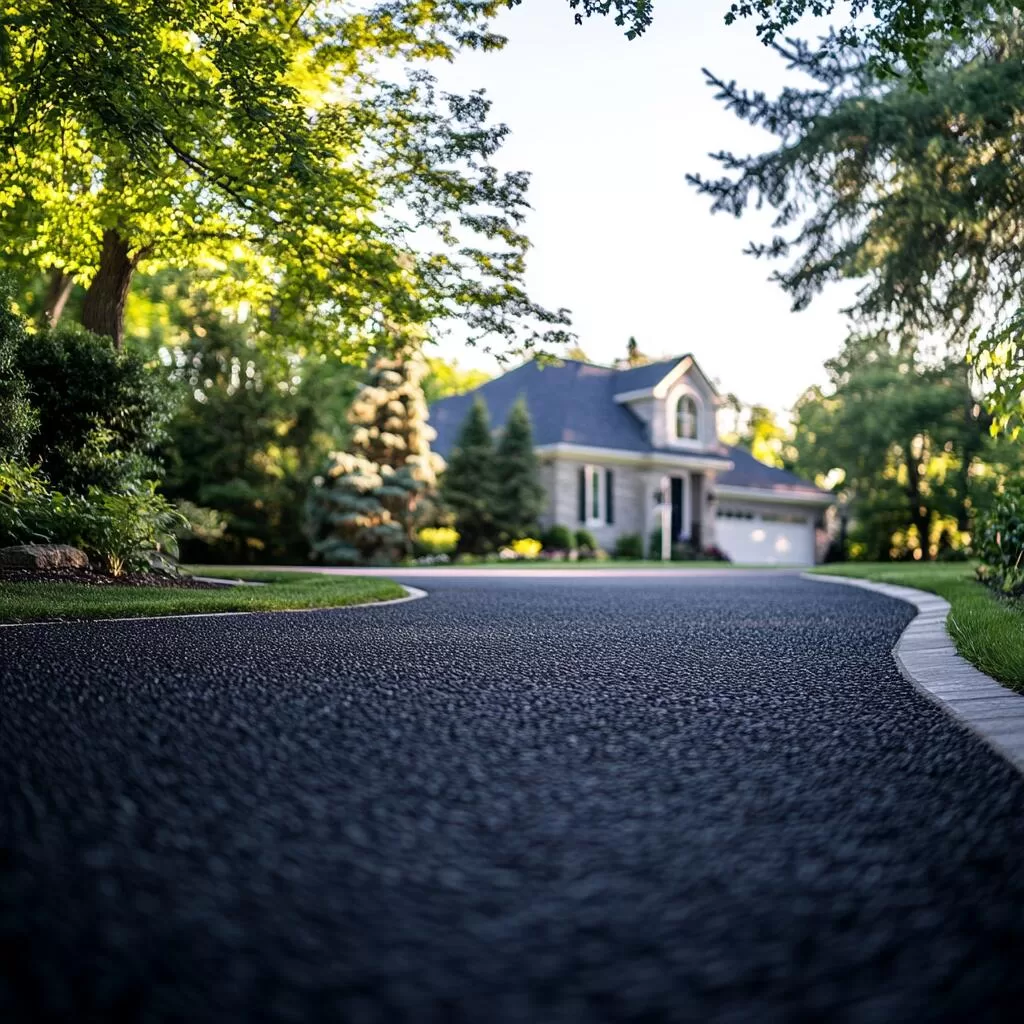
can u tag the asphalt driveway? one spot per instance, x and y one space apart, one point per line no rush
520 800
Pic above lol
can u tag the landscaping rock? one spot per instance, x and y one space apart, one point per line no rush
43 556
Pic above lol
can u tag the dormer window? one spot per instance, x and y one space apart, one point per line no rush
686 418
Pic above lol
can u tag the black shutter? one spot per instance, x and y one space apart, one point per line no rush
582 482
609 496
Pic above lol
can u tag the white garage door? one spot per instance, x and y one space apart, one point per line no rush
765 537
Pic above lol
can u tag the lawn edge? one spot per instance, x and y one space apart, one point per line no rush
411 594
927 658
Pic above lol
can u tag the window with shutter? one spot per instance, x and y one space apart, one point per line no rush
609 497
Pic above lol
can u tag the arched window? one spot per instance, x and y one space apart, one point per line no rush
686 418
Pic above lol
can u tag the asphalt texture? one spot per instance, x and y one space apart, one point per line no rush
514 801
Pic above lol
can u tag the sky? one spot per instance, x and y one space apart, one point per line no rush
608 129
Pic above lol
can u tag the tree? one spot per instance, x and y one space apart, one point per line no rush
252 426
520 496
899 32
906 440
917 194
448 378
375 496
287 142
634 357
17 418
470 483
101 414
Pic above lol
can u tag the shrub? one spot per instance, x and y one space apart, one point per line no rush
17 417
684 551
585 540
999 541
130 531
527 547
629 545
715 554
30 513
557 538
101 412
121 532
437 540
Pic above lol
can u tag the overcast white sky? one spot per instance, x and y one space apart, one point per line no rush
608 128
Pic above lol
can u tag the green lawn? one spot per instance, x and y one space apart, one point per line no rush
593 563
23 602
987 630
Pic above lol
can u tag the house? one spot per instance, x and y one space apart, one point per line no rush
622 450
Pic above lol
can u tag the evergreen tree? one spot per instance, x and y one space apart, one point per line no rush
520 495
915 194
375 496
470 485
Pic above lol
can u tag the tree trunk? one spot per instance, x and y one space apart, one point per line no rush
57 293
103 308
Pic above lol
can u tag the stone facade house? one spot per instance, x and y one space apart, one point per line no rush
623 450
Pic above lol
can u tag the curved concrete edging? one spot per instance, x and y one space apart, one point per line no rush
411 594
926 656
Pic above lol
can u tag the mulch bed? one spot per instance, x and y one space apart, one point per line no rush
101 579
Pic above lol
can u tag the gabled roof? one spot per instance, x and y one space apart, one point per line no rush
569 402
748 472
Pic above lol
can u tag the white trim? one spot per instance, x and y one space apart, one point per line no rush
673 402
778 497
592 472
632 396
582 452
411 594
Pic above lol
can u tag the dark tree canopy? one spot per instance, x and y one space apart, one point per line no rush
916 194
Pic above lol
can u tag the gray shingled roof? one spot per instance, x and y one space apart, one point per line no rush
574 402
748 472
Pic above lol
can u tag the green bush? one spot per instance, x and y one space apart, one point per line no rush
31 513
101 412
120 532
999 541
586 541
629 545
17 417
558 538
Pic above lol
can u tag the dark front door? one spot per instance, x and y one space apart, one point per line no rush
677 508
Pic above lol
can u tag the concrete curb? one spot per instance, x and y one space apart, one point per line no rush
411 594
927 658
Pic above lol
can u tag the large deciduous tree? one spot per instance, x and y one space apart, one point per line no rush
907 442
304 143
917 194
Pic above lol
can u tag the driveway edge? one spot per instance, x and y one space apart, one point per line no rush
411 594
926 656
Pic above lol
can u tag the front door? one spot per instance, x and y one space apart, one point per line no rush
679 509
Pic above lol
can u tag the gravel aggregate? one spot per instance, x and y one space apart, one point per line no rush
516 801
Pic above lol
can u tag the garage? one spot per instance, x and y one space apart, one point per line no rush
765 536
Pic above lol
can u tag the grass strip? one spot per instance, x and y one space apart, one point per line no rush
988 630
284 591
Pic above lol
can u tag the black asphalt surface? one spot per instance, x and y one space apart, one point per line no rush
515 801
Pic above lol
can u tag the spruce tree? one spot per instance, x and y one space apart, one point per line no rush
470 484
373 498
520 495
